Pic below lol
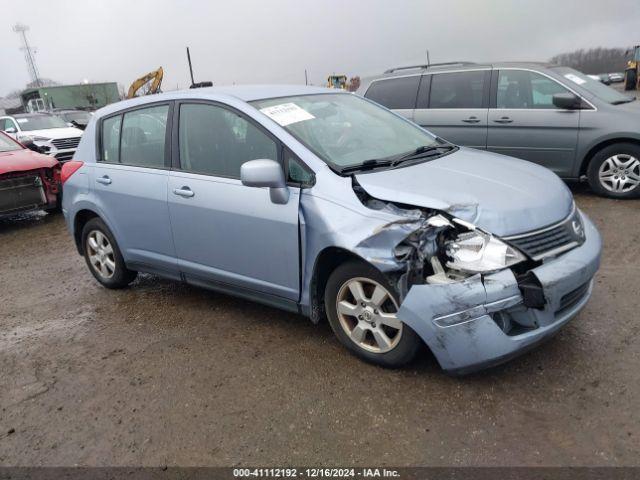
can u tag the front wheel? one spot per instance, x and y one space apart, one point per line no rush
362 309
614 171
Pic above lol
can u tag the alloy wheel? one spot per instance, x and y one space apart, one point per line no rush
620 173
368 315
100 254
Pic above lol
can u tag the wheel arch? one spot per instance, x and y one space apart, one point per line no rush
603 144
326 262
79 221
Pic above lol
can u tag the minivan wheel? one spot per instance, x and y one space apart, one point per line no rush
103 256
614 171
362 309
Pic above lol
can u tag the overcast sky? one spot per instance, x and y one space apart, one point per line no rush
273 41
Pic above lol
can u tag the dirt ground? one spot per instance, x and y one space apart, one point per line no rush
166 374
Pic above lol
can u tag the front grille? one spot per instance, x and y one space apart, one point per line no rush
63 157
573 297
65 143
552 240
18 193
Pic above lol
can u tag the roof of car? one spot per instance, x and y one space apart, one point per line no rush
452 67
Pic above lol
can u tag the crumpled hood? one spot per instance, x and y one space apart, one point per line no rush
500 194
23 160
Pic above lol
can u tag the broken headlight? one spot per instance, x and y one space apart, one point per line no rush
478 252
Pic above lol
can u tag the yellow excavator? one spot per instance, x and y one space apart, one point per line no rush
632 72
147 84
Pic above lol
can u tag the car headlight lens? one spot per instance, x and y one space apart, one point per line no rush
477 252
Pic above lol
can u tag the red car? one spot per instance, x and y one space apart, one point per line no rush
28 180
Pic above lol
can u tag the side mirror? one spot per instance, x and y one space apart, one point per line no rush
266 173
10 130
567 101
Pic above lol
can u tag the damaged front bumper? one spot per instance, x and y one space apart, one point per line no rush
482 321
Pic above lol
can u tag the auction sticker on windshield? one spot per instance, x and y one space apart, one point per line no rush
287 113
575 78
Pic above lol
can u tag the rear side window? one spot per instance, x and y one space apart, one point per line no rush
136 138
143 137
111 139
395 93
457 90
217 141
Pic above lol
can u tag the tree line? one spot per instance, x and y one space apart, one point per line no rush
595 60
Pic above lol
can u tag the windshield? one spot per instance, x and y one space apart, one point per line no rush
345 130
8 145
79 117
595 87
40 122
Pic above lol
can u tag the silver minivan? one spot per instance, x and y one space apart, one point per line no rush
323 203
551 115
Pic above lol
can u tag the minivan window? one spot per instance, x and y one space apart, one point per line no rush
143 137
343 129
600 90
524 89
216 141
457 90
395 93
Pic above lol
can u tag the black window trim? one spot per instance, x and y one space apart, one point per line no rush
302 164
121 113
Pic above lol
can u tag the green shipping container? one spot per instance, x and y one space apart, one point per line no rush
90 96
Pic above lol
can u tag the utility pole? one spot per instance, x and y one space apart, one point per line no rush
29 53
306 79
428 60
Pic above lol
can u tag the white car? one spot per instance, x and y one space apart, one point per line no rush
49 132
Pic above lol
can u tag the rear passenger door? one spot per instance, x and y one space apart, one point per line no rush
228 235
524 123
130 185
454 106
397 94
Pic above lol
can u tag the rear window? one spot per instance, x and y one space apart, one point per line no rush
457 90
395 93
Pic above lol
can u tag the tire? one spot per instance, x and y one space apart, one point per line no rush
103 256
375 337
630 80
620 164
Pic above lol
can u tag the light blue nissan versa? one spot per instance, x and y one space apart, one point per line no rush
324 203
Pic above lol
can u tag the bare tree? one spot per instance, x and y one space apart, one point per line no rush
594 60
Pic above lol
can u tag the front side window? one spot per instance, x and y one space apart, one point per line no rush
343 129
395 93
457 90
217 141
524 89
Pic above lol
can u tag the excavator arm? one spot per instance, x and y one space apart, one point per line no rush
153 79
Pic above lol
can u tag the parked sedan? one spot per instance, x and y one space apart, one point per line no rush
28 180
326 204
551 115
48 132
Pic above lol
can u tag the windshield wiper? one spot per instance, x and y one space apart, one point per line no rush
367 165
422 152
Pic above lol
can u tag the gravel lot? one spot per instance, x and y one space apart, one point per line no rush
167 374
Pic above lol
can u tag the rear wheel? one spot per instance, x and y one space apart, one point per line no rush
362 309
103 256
614 171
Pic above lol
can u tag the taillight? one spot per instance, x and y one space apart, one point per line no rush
69 168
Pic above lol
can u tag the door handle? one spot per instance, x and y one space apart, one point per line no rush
104 180
503 120
471 120
184 192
